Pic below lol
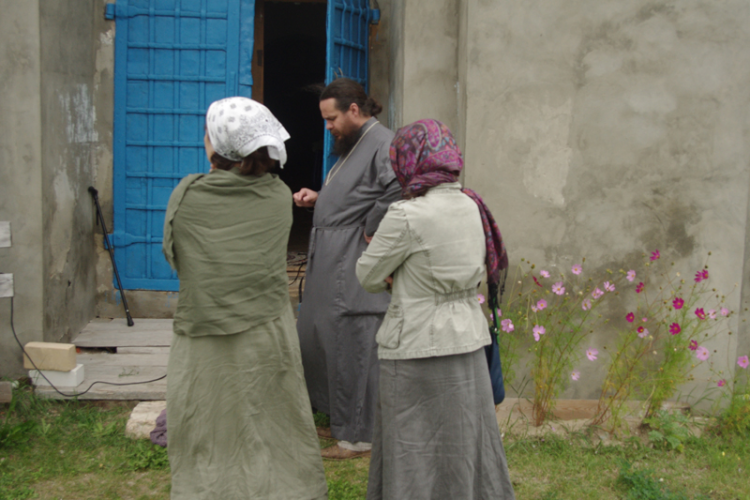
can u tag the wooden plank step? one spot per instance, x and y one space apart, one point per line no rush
89 359
116 333
117 374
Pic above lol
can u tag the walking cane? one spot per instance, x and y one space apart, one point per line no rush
99 216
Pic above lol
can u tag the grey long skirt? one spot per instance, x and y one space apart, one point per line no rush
436 435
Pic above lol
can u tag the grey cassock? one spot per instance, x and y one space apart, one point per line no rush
338 319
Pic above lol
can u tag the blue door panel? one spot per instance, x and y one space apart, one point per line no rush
172 59
347 51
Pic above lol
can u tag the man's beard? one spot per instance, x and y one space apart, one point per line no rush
344 143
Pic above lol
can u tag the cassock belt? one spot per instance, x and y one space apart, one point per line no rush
315 229
442 298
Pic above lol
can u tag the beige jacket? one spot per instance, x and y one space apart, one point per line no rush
434 246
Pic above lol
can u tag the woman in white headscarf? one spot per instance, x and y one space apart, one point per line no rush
239 424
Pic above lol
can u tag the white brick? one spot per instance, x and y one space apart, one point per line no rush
70 379
6 392
50 356
143 419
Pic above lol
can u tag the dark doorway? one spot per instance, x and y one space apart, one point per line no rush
294 60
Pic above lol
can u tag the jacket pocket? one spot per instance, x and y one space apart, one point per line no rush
389 334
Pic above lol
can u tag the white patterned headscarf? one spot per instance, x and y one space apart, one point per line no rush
237 126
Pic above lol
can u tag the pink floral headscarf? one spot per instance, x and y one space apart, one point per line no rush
425 154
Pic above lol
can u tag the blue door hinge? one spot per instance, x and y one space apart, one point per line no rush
374 16
109 11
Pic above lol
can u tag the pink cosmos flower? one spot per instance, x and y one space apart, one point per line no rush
644 319
592 353
586 304
630 317
701 275
674 329
544 274
655 255
597 293
541 304
575 375
480 298
506 325
639 287
743 361
721 383
724 311
699 312
538 332
630 276
693 345
712 313
610 287
642 332
558 288
678 303
702 353
576 269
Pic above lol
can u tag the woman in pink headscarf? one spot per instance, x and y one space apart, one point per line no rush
436 435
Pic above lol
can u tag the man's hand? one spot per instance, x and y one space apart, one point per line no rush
368 239
305 198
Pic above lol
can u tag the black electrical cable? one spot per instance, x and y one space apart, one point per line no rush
75 395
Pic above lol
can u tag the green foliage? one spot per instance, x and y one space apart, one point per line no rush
642 485
339 489
321 419
669 430
146 455
552 315
735 419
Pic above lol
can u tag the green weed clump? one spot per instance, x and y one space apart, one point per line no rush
669 430
642 485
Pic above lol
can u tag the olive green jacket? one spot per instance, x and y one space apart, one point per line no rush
226 236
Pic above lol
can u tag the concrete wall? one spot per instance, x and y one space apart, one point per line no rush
606 129
600 129
68 139
21 177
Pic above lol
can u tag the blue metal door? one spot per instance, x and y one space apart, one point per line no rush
347 51
172 59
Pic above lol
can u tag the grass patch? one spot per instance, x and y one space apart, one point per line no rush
77 450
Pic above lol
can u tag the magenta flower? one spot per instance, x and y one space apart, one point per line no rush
674 329
541 304
743 361
575 375
630 317
597 293
678 303
576 269
655 255
701 275
721 383
592 353
639 287
558 288
536 281
544 274
642 332
712 313
630 276
506 325
699 312
702 353
586 304
610 287
724 311
480 298
538 332
693 345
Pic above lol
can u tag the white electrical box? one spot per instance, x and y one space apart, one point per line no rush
4 234
6 285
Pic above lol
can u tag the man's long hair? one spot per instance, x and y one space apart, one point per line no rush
346 91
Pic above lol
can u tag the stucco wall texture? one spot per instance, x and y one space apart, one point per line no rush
47 113
606 129
20 177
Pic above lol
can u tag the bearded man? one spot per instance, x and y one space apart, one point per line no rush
338 319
